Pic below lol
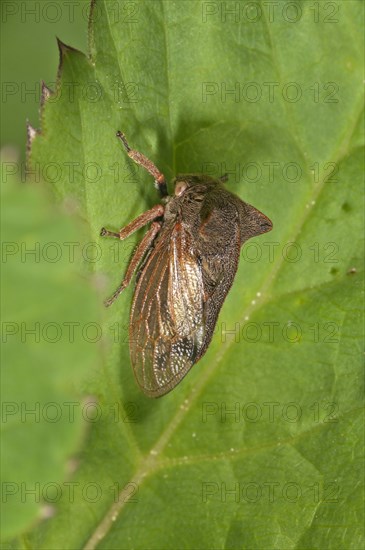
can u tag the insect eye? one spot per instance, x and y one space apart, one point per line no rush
180 187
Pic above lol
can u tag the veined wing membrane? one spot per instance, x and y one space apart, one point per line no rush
167 316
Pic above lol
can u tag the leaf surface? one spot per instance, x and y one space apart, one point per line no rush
259 446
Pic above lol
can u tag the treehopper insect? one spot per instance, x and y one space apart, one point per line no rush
185 265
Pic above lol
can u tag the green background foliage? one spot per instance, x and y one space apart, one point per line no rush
155 473
44 307
35 24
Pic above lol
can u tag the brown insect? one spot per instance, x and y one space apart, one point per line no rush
187 261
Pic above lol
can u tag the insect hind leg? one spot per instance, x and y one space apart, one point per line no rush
135 261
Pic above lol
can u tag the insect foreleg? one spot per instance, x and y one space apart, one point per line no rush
136 259
147 164
139 222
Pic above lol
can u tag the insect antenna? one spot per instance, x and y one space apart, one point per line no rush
147 164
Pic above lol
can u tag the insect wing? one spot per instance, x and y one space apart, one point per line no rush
167 316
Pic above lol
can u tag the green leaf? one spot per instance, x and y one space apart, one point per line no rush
260 445
47 350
